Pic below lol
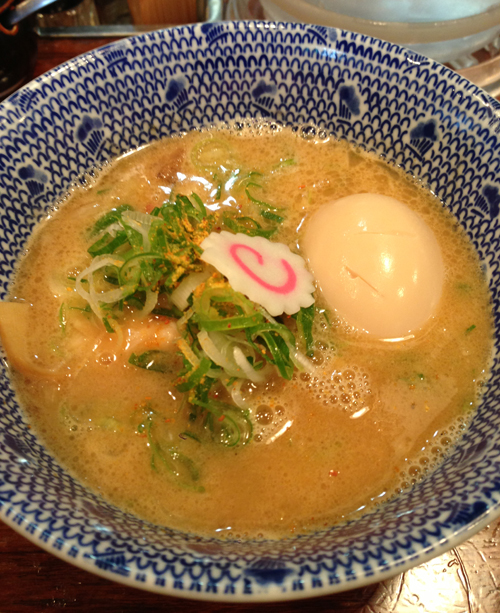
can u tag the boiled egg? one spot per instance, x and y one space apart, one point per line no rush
377 263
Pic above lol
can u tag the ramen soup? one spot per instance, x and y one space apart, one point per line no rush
249 334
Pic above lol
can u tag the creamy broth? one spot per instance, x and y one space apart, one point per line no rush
368 421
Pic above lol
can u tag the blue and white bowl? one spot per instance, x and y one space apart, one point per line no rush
410 110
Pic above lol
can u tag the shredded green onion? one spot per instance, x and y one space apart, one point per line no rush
305 321
225 339
168 457
109 218
147 253
62 317
246 225
157 361
213 155
219 307
264 205
108 326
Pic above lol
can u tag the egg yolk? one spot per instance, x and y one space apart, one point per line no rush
377 263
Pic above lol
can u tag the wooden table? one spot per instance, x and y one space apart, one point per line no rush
55 51
461 581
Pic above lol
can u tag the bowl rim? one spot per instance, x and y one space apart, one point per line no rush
451 541
275 596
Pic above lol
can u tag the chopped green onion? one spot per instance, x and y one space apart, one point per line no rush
181 294
225 338
213 155
246 225
277 339
85 309
283 164
305 321
172 312
218 191
107 244
219 307
193 377
110 218
199 204
189 435
157 361
188 353
70 278
261 203
135 301
170 458
62 317
228 425
107 325
272 216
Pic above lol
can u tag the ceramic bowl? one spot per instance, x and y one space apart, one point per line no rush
409 110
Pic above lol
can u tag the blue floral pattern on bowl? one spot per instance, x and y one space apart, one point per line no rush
408 109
